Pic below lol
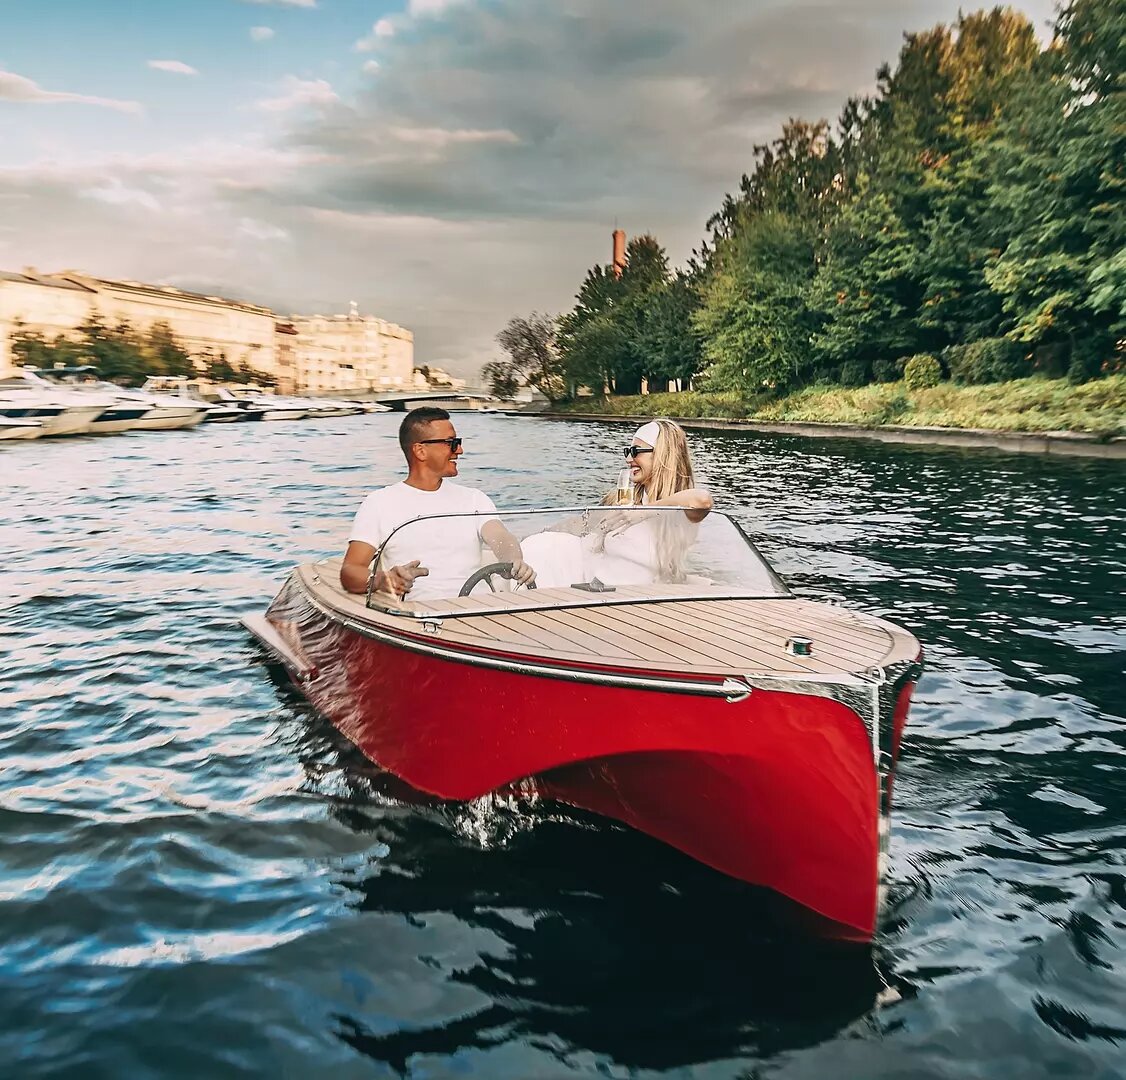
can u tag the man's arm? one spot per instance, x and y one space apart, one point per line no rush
356 569
506 548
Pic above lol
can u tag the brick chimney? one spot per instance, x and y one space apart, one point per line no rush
619 252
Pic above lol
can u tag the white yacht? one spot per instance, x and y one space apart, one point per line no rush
153 412
25 396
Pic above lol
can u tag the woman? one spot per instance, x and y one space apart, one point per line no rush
634 546
631 547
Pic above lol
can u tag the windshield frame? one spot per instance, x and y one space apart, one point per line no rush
372 599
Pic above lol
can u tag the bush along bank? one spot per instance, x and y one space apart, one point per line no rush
1031 405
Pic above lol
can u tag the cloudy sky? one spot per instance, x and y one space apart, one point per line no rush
444 163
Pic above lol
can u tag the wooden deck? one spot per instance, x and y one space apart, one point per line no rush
705 636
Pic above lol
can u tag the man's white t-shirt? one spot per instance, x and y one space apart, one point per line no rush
449 548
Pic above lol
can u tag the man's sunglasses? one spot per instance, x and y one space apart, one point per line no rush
454 444
633 451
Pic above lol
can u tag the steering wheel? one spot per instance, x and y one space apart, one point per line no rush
485 574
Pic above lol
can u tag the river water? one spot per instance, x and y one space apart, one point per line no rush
199 878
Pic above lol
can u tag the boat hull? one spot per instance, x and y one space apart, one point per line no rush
779 789
20 428
170 419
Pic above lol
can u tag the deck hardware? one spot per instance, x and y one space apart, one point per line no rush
432 626
799 646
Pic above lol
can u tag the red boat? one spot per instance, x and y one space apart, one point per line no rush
709 707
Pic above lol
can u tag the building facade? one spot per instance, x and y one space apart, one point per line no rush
353 353
307 354
206 326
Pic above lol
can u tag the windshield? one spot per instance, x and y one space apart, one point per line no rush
581 556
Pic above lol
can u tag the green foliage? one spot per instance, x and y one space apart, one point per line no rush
885 371
532 356
921 372
754 317
972 207
854 373
500 379
635 326
986 361
1032 404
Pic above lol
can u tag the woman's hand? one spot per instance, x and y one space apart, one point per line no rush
616 522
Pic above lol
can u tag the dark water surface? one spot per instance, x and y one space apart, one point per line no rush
199 879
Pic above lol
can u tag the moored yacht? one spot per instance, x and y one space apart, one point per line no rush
149 411
24 395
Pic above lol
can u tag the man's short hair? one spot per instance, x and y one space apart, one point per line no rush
411 429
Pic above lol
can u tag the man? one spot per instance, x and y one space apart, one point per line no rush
427 561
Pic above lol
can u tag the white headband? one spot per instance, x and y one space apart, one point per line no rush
648 433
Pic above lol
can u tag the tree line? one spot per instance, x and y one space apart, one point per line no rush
128 356
964 221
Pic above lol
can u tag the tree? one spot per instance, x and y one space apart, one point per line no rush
754 317
667 333
1056 193
500 378
590 346
532 354
866 292
218 368
167 355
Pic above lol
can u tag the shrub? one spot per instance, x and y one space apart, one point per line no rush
1086 361
854 373
886 370
986 361
922 371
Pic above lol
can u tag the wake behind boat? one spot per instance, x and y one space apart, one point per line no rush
756 731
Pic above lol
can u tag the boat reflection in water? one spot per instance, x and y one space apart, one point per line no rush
600 940
661 675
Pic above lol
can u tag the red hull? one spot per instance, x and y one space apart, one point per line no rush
779 790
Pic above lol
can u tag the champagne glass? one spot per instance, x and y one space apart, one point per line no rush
624 496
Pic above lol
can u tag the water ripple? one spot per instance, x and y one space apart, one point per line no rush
199 877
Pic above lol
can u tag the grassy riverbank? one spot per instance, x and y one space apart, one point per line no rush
1027 405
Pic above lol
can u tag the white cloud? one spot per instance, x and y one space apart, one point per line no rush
298 93
261 33
419 8
284 3
440 137
18 88
370 67
260 230
176 67
385 28
115 193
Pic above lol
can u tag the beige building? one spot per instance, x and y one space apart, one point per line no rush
29 301
54 304
353 353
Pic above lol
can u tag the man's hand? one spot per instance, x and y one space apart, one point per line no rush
400 579
522 573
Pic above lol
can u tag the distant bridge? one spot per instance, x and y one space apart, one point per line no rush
462 401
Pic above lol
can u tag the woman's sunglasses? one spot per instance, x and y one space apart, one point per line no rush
454 444
633 451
